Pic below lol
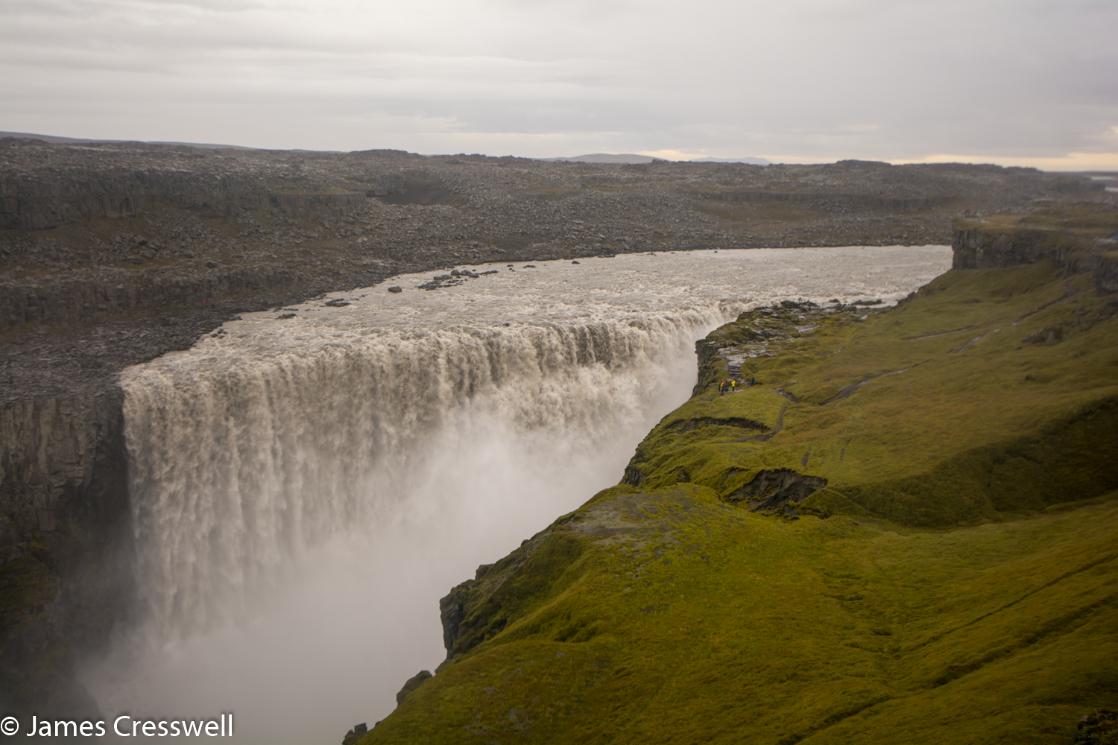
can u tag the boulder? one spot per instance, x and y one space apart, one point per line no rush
412 683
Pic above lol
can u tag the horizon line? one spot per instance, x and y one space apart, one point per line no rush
1108 162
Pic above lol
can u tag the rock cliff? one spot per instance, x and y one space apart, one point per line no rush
65 540
1079 239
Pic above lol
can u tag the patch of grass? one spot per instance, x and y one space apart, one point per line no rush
713 624
1085 218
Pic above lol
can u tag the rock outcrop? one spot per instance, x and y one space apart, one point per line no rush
411 684
1044 235
65 543
777 490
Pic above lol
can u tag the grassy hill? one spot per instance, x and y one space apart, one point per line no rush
907 532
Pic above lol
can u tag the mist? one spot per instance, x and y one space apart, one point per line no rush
305 489
342 631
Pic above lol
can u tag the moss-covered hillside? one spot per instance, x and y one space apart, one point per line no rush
907 532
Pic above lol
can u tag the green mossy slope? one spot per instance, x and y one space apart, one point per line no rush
952 582
990 391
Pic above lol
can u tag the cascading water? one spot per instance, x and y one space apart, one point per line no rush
240 472
305 488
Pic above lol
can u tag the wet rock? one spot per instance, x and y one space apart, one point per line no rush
438 284
395 289
337 303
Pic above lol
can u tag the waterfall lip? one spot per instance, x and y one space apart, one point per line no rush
632 287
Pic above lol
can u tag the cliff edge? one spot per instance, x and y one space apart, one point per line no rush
903 532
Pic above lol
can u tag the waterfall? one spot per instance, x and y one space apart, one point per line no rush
236 473
306 484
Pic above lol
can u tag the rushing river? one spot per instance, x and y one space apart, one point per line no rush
308 482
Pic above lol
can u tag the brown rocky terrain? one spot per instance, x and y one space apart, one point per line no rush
114 253
121 251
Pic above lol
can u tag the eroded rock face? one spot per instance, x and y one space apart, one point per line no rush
479 608
1030 239
65 542
776 489
985 248
355 734
1100 727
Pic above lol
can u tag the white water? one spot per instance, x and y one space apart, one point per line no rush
306 489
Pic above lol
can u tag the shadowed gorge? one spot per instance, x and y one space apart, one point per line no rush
919 548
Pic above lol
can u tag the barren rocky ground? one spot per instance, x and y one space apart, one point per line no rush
113 253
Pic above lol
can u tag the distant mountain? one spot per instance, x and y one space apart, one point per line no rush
87 140
44 138
748 160
606 158
630 158
623 158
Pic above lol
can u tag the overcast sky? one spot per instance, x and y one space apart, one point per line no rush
1031 82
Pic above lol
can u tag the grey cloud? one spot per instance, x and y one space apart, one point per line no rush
813 78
